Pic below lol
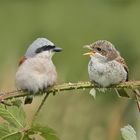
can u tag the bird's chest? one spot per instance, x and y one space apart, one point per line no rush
39 68
107 73
43 66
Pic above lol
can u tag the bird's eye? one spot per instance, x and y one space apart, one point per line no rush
98 49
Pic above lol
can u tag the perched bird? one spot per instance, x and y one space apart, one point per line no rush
106 66
36 70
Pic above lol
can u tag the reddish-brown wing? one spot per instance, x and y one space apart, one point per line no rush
21 61
122 61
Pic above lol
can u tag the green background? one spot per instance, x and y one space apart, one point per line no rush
71 25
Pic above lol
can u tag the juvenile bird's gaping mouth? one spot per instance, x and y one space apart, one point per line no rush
91 53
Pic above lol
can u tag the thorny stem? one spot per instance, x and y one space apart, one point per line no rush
69 86
137 101
137 93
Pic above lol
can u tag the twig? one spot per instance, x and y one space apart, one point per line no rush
137 93
40 106
68 86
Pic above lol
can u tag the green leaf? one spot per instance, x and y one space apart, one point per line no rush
128 133
102 90
93 93
13 115
13 136
45 132
4 130
26 137
8 134
16 102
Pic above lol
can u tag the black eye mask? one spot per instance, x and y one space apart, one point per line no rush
44 48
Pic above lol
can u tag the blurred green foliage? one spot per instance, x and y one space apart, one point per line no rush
71 25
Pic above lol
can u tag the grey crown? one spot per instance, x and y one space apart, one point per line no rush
38 43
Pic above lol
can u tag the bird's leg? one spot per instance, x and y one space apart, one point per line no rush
29 98
96 84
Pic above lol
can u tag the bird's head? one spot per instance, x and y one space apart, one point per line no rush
41 46
102 50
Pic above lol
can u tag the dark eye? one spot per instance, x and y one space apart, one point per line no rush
98 49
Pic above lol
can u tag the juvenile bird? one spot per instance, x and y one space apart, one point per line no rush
106 66
36 70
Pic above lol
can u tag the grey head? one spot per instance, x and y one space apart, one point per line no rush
40 45
104 48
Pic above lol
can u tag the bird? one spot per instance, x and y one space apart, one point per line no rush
36 71
106 66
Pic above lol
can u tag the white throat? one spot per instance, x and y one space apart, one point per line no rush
99 58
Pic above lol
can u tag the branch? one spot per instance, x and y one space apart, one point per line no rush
68 86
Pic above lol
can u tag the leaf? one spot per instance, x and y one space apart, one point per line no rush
8 134
93 93
13 136
128 133
45 132
26 137
13 115
16 102
102 90
4 130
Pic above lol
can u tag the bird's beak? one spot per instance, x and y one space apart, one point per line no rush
87 46
56 49
91 53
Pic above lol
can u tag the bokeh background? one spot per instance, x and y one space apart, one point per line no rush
71 24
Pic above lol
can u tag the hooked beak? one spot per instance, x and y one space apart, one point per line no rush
56 49
91 53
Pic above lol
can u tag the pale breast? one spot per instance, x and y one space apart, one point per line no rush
35 74
106 74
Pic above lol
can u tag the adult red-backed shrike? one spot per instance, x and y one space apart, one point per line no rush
36 70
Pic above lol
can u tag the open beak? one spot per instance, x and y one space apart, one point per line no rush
91 53
87 46
56 49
